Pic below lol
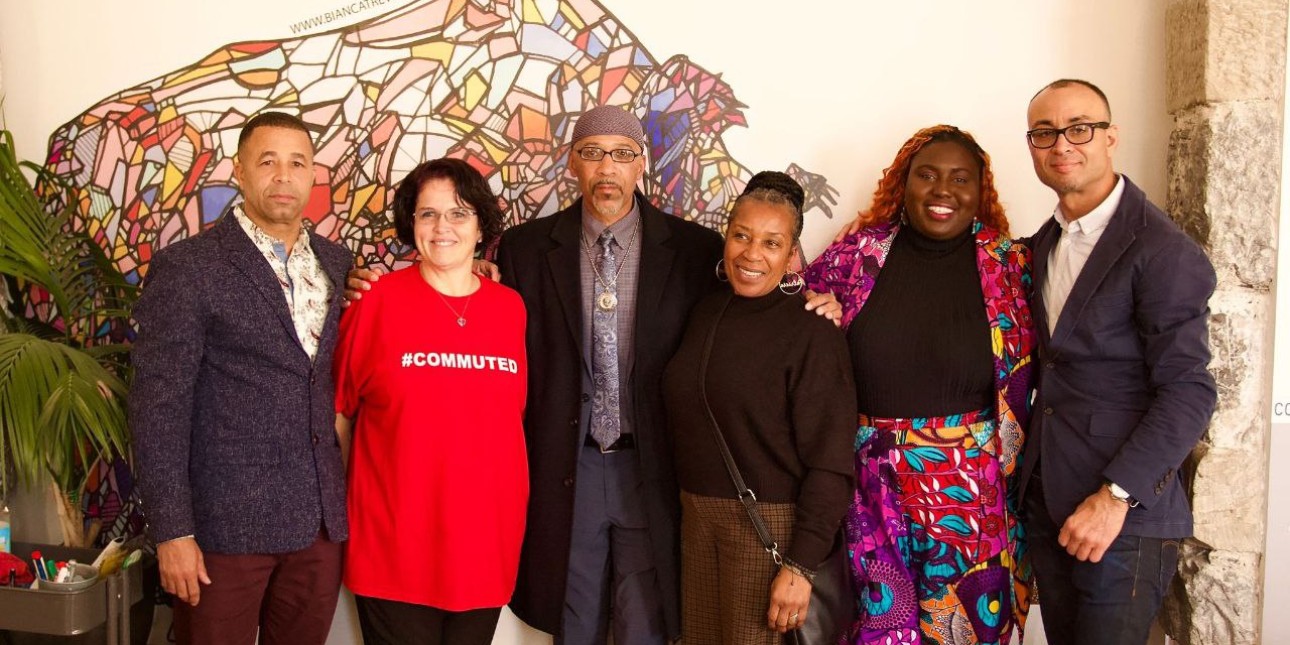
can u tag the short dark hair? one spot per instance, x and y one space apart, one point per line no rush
777 189
1067 82
470 186
272 120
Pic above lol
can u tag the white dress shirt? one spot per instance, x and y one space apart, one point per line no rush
1071 252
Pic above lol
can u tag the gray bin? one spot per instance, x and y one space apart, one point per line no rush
98 614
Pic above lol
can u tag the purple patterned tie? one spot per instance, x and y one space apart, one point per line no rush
605 424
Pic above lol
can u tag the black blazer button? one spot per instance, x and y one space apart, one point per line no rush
1048 411
573 422
315 440
586 397
568 482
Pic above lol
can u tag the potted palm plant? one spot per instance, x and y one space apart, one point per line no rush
62 376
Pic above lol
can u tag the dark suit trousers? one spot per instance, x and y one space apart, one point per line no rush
1111 602
289 597
611 566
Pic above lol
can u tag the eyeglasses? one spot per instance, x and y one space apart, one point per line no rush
621 155
1077 134
454 216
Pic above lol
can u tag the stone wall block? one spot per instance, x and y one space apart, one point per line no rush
1224 50
1249 62
1241 350
1232 514
1185 49
1214 598
1224 186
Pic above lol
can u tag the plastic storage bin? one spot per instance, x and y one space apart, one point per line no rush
104 613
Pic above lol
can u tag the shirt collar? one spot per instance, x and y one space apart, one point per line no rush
264 240
1096 219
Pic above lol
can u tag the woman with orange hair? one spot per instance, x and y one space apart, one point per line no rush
934 304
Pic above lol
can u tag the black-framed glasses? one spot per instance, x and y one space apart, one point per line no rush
1076 134
620 155
454 216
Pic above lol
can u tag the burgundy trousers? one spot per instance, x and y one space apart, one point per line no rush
290 598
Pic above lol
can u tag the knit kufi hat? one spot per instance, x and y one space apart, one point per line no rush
609 120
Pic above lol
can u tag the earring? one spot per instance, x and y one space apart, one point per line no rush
793 283
721 273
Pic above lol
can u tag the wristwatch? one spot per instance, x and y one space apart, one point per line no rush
1120 495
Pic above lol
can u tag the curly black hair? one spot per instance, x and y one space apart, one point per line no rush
471 189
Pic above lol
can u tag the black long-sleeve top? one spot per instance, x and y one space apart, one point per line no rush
779 382
921 344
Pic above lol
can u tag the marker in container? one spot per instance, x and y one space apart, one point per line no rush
39 563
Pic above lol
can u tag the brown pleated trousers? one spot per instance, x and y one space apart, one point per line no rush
725 571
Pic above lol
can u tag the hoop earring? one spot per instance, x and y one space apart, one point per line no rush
793 285
721 274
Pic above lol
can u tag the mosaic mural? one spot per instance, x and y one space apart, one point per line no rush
496 83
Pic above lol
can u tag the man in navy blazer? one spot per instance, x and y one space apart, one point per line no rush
1121 303
232 407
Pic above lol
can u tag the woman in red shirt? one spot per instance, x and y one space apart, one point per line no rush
430 378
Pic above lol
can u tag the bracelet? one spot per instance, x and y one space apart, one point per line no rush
799 570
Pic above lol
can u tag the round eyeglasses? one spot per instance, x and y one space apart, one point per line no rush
1076 134
620 155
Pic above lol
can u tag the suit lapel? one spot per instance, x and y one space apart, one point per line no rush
242 253
656 261
655 267
335 265
1041 247
1115 240
563 262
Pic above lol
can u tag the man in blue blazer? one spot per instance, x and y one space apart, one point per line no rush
1121 303
232 407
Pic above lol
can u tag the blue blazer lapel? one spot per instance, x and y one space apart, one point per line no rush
1041 245
563 262
1119 235
242 253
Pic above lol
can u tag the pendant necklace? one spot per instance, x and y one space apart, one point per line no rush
608 300
461 317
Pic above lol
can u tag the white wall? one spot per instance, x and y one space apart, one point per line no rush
833 86
1277 555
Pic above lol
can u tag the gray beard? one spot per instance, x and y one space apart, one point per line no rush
608 209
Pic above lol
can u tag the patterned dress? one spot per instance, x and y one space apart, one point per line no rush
937 553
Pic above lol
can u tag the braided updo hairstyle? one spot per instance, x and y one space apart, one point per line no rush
778 189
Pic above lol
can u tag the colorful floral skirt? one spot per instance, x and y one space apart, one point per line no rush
936 550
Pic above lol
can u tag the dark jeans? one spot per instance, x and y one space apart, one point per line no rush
390 622
1112 602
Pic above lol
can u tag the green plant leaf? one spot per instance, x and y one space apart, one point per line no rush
62 379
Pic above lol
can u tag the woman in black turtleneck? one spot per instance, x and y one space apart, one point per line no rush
779 384
933 296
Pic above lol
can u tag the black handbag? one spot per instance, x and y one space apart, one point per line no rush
832 609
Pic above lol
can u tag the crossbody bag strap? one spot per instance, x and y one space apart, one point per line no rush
745 494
